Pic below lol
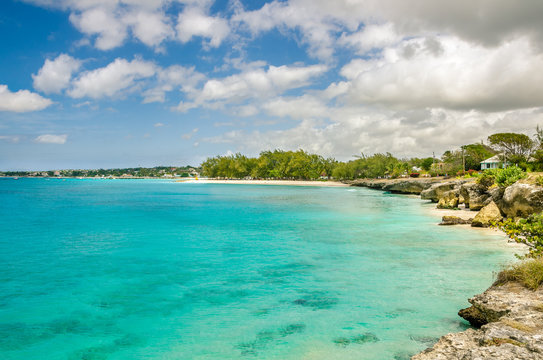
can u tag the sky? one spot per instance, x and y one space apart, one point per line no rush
122 83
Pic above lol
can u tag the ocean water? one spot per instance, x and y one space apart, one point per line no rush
137 269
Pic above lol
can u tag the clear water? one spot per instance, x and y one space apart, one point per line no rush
113 269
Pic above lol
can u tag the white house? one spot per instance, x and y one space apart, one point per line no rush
494 162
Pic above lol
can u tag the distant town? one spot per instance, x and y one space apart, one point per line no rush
125 173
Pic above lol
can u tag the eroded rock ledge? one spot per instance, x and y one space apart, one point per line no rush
511 327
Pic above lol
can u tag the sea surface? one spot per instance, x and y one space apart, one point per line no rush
143 269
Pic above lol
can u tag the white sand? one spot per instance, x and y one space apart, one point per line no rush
467 214
267 182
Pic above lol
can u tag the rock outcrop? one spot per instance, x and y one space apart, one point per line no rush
487 216
399 186
521 200
437 191
449 200
511 317
475 196
454 220
407 186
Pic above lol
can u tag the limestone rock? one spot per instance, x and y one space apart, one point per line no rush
489 214
437 191
521 200
372 184
475 317
407 186
475 196
513 328
454 220
449 200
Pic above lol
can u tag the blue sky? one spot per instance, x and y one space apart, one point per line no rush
118 83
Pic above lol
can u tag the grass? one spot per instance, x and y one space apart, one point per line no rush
529 273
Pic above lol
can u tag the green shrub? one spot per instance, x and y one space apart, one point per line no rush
529 273
502 177
509 176
486 179
539 180
527 231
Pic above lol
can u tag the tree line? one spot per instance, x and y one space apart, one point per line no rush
518 149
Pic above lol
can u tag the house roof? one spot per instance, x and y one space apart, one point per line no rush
493 159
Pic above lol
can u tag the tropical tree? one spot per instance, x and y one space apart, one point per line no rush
516 147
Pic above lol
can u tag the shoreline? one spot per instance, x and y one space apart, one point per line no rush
268 182
505 319
466 214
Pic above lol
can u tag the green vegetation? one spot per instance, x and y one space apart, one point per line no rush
529 273
527 231
516 147
275 164
278 164
501 177
378 165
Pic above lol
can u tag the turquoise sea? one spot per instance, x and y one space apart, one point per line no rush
142 269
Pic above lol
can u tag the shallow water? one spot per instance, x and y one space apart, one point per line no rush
105 269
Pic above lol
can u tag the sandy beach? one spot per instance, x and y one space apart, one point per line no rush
267 182
467 214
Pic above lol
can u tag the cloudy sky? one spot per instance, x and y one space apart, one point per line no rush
114 83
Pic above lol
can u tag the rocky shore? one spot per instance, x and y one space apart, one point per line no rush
508 318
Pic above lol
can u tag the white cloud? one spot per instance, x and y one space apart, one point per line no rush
112 22
253 83
21 101
448 72
55 75
194 22
158 124
302 107
119 76
372 36
171 78
103 23
52 139
310 17
151 28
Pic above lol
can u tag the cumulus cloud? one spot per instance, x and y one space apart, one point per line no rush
194 22
310 17
481 21
110 23
21 101
120 76
256 83
302 107
51 139
170 78
55 75
103 24
448 72
150 27
371 37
